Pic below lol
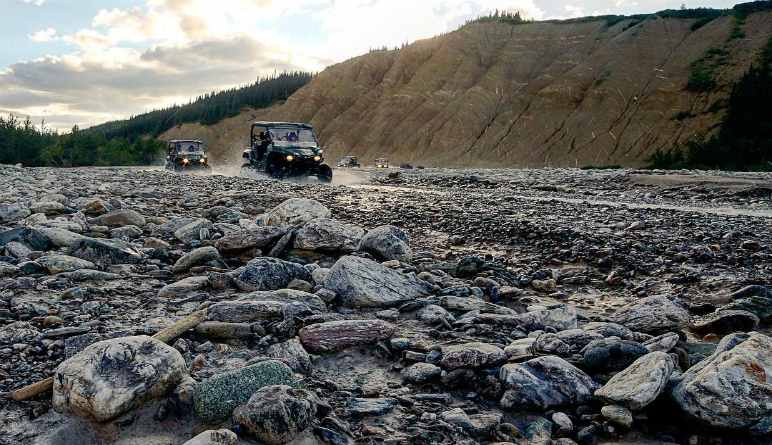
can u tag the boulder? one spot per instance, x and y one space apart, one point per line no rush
761 306
560 319
277 414
245 311
240 240
105 252
95 207
725 322
611 354
543 383
328 235
266 273
334 336
361 283
112 377
295 212
126 233
732 387
118 218
640 383
215 398
652 315
386 243
63 263
472 355
214 437
196 257
48 208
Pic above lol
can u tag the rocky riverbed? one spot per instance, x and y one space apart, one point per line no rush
409 306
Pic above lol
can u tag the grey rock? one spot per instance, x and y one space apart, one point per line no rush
606 329
18 332
328 235
292 353
664 342
118 218
265 273
106 252
611 354
258 237
63 263
224 330
360 282
10 213
725 322
192 231
245 311
126 233
731 388
639 384
214 437
471 355
433 314
761 306
387 243
545 382
421 372
277 414
652 315
184 287
60 237
618 415
215 398
195 257
337 335
48 207
563 422
112 377
371 407
295 212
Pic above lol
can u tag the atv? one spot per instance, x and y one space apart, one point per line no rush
348 162
187 155
285 150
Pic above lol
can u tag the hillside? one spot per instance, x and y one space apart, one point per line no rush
582 92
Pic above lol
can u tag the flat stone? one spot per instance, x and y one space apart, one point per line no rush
265 273
725 322
387 243
471 355
652 315
328 235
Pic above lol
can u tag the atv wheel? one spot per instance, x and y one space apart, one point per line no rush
325 173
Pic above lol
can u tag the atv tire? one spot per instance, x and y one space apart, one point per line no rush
325 174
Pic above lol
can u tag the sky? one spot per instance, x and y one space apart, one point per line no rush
84 62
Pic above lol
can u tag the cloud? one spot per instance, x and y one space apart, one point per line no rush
34 2
44 35
117 82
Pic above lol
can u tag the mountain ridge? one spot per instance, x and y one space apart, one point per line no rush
584 92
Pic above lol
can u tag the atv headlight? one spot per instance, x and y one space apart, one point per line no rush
203 160
317 158
290 157
185 161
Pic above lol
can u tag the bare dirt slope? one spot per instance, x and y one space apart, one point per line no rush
494 94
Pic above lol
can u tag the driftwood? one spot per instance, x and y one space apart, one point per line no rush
166 335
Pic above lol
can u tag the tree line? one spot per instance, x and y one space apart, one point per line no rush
132 141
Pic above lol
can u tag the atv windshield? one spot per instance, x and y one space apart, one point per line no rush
184 148
292 137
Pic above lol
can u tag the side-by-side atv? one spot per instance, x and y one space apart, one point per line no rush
187 155
285 150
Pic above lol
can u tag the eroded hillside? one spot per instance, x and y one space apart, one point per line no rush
536 94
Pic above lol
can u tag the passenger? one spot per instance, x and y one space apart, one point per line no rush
292 137
265 141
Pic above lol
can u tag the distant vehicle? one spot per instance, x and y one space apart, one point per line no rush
348 161
381 163
285 149
186 155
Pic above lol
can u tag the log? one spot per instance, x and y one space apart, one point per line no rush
166 335
33 389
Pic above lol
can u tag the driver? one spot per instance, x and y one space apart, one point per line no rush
265 141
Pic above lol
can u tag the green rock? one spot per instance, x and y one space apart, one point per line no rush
760 306
215 398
